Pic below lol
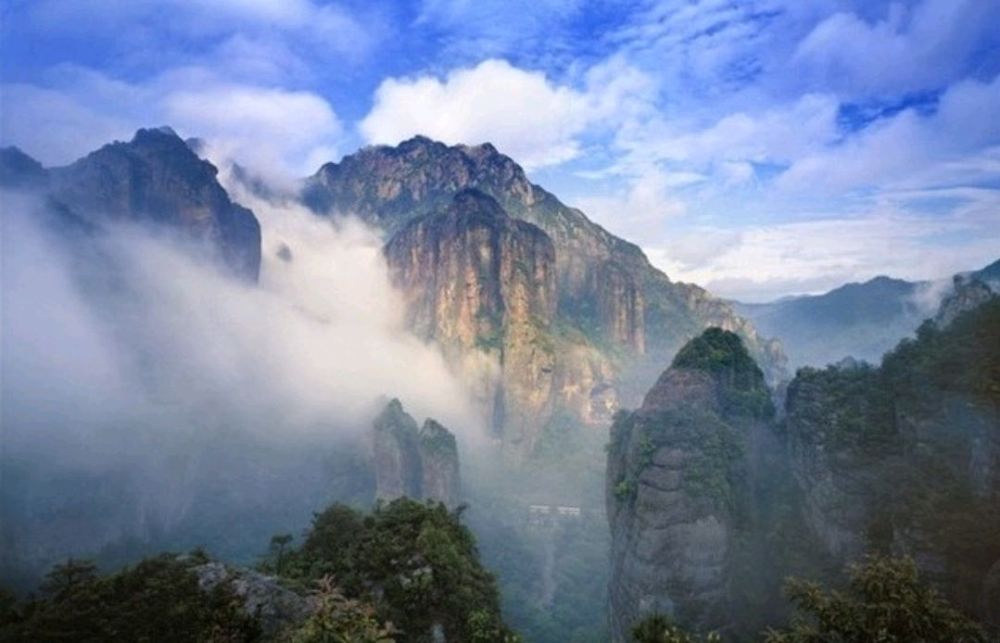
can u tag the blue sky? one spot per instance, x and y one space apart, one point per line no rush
758 147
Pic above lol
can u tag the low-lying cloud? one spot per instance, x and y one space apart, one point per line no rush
134 366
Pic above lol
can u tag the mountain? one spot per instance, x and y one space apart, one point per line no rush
18 171
990 275
860 320
677 492
711 501
574 318
863 320
154 180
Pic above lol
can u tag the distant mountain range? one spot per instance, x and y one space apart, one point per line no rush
860 320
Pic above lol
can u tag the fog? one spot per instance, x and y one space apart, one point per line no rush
150 399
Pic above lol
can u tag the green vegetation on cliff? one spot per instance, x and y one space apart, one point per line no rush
906 457
722 354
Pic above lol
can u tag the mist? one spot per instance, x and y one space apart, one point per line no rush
152 401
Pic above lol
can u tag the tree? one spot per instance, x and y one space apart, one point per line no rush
279 545
885 603
660 629
338 619
67 577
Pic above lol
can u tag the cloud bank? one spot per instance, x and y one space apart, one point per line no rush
133 367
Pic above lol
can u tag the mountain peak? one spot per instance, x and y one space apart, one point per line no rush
719 354
156 178
161 134
18 170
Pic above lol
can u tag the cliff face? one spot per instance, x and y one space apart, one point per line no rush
421 464
155 179
599 301
483 285
676 486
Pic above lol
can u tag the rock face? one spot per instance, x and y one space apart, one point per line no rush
594 298
476 280
421 464
676 493
155 179
439 477
967 294
276 607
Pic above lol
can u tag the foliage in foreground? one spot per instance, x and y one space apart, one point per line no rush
416 563
156 600
885 603
660 629
339 619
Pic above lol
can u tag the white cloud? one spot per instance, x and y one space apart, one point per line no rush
327 27
524 114
266 128
280 131
767 261
527 116
640 211
912 48
779 134
951 146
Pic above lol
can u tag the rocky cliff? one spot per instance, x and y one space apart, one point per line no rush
677 494
153 180
482 285
968 293
421 464
598 300
439 476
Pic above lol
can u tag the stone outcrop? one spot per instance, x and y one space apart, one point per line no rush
153 180
276 607
439 476
396 449
967 294
675 491
421 464
599 295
